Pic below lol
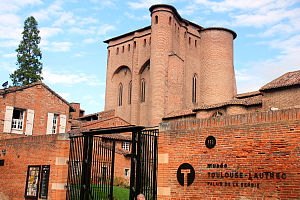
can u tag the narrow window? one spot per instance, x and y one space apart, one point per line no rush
189 40
195 43
170 20
108 53
125 145
54 124
143 90
129 92
156 19
145 42
122 49
134 44
128 47
194 89
120 94
117 51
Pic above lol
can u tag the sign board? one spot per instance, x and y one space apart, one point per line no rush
44 181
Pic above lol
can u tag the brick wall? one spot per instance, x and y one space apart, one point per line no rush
50 150
39 99
256 157
281 98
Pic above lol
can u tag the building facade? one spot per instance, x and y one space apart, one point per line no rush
173 64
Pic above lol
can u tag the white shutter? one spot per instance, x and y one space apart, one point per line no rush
62 123
50 123
8 119
29 123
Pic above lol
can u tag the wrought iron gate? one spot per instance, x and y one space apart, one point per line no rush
91 164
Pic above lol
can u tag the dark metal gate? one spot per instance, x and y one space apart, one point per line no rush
91 164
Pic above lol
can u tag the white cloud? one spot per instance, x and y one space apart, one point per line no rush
131 16
69 78
10 27
145 3
262 72
5 66
81 31
15 5
79 54
55 46
93 102
88 97
47 32
89 41
88 20
66 18
10 55
9 43
103 29
66 96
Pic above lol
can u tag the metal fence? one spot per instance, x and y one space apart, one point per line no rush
92 162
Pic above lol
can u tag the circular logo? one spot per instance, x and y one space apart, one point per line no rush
185 174
210 142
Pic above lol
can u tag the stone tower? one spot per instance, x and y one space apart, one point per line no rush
171 65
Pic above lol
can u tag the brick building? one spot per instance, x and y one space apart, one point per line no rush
33 109
173 64
214 143
175 74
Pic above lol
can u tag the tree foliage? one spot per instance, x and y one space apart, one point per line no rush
29 55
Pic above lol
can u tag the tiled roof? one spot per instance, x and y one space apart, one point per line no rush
179 113
247 94
246 102
116 137
287 79
85 126
18 88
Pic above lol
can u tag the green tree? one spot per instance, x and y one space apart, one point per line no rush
29 56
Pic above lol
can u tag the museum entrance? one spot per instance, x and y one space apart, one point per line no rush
92 164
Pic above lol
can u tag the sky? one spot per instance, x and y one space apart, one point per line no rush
73 31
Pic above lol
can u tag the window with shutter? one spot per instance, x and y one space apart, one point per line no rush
62 123
8 119
29 122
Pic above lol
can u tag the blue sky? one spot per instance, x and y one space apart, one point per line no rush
73 31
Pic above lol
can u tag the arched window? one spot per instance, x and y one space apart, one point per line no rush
156 19
143 90
129 92
117 50
120 95
194 89
170 20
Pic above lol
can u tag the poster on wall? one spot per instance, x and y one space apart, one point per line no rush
44 181
32 182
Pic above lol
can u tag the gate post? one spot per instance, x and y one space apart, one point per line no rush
86 167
